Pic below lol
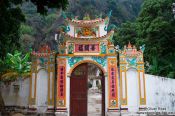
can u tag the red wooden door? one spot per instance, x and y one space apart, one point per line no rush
78 91
103 94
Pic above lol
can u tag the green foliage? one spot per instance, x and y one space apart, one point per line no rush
12 17
18 63
16 66
154 27
44 5
126 33
26 29
50 18
26 43
123 10
10 21
44 27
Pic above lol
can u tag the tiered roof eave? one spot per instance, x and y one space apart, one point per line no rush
68 37
44 51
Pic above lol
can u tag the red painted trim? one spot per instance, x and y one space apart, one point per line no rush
61 80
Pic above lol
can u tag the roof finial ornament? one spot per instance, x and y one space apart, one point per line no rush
117 48
109 14
86 17
76 17
100 15
142 48
64 15
129 45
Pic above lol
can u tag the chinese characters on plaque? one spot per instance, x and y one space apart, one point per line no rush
86 47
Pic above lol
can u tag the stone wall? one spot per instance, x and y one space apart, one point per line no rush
160 93
16 93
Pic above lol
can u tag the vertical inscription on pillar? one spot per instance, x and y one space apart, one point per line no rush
112 79
142 85
61 82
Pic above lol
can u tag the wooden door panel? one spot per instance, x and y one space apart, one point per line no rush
103 95
78 91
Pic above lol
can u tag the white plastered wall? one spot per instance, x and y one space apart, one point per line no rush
71 32
160 93
132 90
101 29
12 97
42 91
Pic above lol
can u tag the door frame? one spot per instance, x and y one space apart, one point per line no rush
68 97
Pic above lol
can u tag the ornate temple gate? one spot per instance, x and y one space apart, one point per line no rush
81 42
66 99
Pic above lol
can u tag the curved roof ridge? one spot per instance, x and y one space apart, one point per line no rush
87 22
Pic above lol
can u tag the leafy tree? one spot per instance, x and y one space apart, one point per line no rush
123 10
10 20
154 27
44 5
127 33
26 29
12 17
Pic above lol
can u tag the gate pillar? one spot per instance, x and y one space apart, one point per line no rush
130 58
43 59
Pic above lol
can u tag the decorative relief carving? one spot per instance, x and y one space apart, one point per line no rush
103 48
74 60
100 60
71 48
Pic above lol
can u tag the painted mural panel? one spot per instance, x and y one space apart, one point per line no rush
86 31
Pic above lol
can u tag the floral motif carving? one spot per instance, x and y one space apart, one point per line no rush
103 48
74 60
100 60
71 48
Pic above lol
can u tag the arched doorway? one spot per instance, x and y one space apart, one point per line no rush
133 90
81 90
42 90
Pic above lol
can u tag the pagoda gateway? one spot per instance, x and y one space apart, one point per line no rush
81 42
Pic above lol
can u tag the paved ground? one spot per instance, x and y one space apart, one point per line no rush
94 104
18 114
